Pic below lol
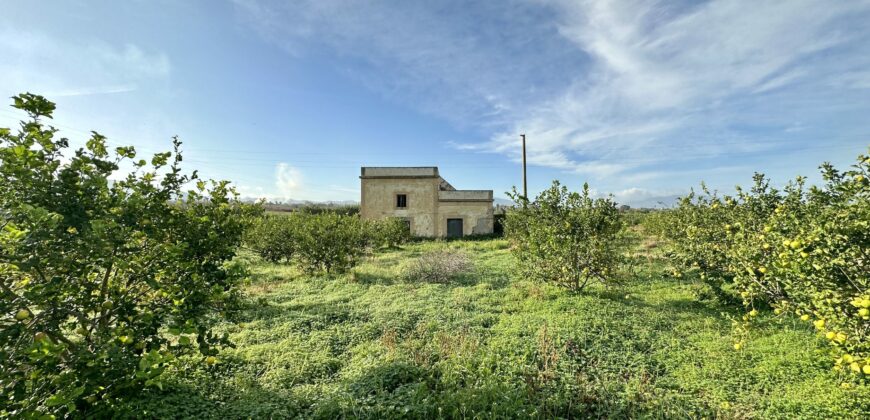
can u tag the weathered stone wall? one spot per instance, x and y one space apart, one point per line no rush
379 201
476 217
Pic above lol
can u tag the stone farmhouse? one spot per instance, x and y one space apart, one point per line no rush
428 203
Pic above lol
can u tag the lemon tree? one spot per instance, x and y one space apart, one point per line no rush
105 278
698 241
802 251
566 237
273 238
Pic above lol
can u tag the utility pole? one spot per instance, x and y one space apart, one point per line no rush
525 186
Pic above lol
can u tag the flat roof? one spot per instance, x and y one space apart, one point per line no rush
399 172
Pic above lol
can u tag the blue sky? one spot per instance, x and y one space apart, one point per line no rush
288 99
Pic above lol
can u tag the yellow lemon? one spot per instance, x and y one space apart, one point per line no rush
762 270
855 367
819 324
211 360
805 317
830 335
753 312
866 369
848 358
738 346
22 315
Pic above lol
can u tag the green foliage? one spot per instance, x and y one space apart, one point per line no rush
329 242
566 237
105 280
273 238
803 252
322 241
697 240
312 208
389 232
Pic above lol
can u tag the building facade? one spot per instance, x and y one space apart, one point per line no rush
429 204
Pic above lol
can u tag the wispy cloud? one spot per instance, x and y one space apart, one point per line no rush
601 87
92 90
441 60
59 68
658 72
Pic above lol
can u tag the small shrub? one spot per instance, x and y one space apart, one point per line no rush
390 232
566 237
439 266
273 237
329 242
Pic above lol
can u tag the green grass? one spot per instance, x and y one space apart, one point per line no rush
369 344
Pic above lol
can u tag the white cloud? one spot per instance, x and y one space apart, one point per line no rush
290 185
288 181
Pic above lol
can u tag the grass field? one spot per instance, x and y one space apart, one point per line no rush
371 344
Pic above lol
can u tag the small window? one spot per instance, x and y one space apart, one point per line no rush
401 201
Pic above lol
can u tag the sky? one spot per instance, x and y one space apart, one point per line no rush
288 99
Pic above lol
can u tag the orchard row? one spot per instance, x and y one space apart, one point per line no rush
801 251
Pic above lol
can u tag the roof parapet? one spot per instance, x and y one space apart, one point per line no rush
465 195
399 172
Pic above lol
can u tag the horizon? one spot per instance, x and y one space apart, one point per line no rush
641 100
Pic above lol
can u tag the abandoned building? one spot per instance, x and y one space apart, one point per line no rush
428 203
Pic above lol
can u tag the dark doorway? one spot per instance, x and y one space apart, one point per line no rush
454 228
